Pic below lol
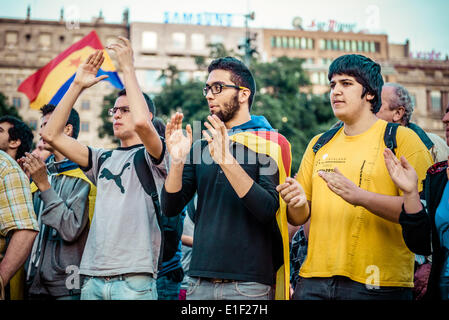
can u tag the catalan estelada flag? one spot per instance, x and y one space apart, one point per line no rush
258 136
50 83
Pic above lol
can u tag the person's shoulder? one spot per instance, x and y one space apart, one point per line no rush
407 135
438 167
8 165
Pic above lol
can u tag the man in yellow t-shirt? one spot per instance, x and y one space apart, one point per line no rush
356 249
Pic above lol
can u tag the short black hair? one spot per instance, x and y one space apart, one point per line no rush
365 71
159 125
74 118
240 74
19 131
148 100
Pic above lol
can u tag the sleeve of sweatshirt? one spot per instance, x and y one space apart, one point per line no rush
173 203
416 230
69 216
262 199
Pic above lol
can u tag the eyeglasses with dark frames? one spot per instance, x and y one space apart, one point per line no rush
216 88
123 110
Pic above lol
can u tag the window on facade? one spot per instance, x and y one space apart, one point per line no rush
278 42
310 44
366 46
341 45
84 126
273 42
322 44
334 44
183 76
214 39
360 46
199 75
17 102
435 101
322 78
198 41
85 105
32 124
152 78
284 42
297 43
413 98
377 46
8 79
303 43
353 45
372 47
12 37
347 45
179 40
314 78
291 42
149 40
45 40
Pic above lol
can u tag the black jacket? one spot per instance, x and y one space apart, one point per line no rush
234 238
419 230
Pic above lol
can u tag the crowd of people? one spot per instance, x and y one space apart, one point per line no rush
164 217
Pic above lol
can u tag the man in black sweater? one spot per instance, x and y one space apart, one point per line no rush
237 245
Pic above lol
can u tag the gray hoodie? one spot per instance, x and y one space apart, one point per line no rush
63 216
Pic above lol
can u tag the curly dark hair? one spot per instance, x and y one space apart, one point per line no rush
19 131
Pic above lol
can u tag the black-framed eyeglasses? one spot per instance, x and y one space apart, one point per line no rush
123 110
216 88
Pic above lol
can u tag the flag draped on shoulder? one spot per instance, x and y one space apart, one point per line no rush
50 83
71 169
258 136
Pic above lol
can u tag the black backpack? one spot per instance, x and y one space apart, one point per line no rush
389 137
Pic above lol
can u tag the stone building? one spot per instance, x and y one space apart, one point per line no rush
28 44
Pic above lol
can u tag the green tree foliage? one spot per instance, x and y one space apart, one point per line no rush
106 130
282 97
6 109
298 115
186 97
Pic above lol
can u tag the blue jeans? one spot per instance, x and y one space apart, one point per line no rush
202 289
343 288
133 286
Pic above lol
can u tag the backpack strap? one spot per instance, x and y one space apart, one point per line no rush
146 179
325 138
390 136
422 135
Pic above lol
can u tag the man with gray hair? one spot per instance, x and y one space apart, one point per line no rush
397 107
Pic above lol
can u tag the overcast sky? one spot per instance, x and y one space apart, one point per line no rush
424 22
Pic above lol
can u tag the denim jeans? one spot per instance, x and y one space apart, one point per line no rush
136 286
201 289
343 288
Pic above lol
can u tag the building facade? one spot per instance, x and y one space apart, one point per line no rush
158 45
426 80
27 45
